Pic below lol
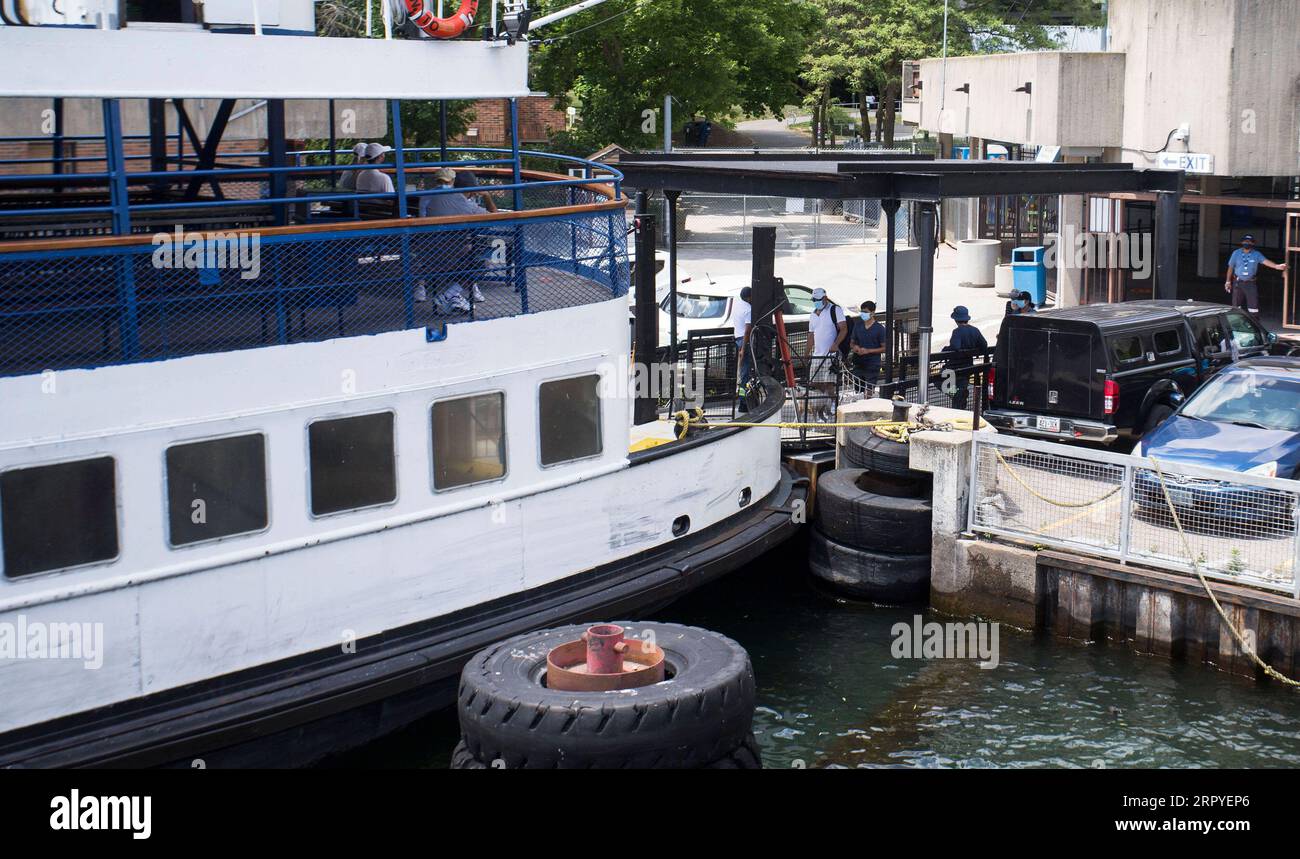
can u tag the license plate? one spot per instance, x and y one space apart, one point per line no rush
1049 424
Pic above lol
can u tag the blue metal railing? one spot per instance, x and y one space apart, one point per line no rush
97 306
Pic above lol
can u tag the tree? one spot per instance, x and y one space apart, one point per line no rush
865 42
617 62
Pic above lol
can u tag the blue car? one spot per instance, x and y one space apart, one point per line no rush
1246 419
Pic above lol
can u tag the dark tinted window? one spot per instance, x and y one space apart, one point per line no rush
1167 342
352 463
216 488
469 440
57 516
569 411
1126 348
1208 331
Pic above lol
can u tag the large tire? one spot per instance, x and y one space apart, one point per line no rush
701 714
873 576
867 511
864 449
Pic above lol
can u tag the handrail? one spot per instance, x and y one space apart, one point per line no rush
611 202
176 176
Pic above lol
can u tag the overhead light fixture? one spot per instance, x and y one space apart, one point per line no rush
1028 88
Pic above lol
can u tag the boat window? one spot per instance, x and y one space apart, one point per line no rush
469 440
1167 342
569 415
216 488
57 516
352 463
696 306
1126 349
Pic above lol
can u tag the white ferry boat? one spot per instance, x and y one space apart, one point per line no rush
257 517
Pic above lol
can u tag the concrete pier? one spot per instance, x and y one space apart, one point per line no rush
1077 597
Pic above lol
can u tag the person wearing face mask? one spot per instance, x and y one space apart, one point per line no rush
1020 303
828 326
1243 268
867 343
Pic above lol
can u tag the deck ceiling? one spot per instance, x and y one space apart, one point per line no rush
52 62
837 177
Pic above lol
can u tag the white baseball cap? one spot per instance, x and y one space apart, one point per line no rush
818 294
359 151
374 150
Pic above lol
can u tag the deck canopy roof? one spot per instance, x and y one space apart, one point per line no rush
847 176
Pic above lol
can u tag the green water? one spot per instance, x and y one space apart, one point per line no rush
831 693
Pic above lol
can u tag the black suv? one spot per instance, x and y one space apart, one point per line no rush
1102 372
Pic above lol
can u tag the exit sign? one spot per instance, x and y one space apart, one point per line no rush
1190 162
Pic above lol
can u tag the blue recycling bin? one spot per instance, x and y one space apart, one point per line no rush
1029 272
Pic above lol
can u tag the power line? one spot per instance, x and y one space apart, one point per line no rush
590 26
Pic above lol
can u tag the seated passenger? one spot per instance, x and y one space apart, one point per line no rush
469 179
349 180
437 205
374 181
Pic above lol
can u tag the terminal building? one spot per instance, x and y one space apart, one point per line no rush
1209 87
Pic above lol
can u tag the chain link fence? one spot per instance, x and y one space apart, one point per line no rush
210 292
1237 527
722 219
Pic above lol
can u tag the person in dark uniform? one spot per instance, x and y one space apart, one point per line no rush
966 342
867 343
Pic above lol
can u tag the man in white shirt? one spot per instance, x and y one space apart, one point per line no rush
373 181
742 320
827 326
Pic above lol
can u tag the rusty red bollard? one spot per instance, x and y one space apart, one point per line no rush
605 648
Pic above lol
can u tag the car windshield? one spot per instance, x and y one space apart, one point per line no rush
697 306
1246 398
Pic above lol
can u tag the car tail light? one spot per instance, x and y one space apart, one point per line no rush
1110 396
992 375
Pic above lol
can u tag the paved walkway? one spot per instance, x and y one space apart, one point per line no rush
771 134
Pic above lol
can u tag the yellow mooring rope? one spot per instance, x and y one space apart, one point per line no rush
1196 568
1044 498
687 420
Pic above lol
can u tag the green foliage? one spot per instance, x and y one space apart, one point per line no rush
620 59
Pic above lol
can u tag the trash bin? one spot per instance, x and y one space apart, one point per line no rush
1029 272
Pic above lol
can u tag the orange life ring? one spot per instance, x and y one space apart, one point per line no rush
442 28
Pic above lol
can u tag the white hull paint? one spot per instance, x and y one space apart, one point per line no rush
175 616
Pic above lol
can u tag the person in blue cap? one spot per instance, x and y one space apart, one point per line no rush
966 342
1243 268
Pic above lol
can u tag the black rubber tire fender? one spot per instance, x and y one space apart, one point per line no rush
853 511
880 577
463 759
864 449
702 713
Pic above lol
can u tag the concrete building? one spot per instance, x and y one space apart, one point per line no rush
1208 86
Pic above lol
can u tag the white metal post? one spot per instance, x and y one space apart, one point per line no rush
1126 513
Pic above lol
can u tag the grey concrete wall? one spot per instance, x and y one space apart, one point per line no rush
1075 99
24 117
